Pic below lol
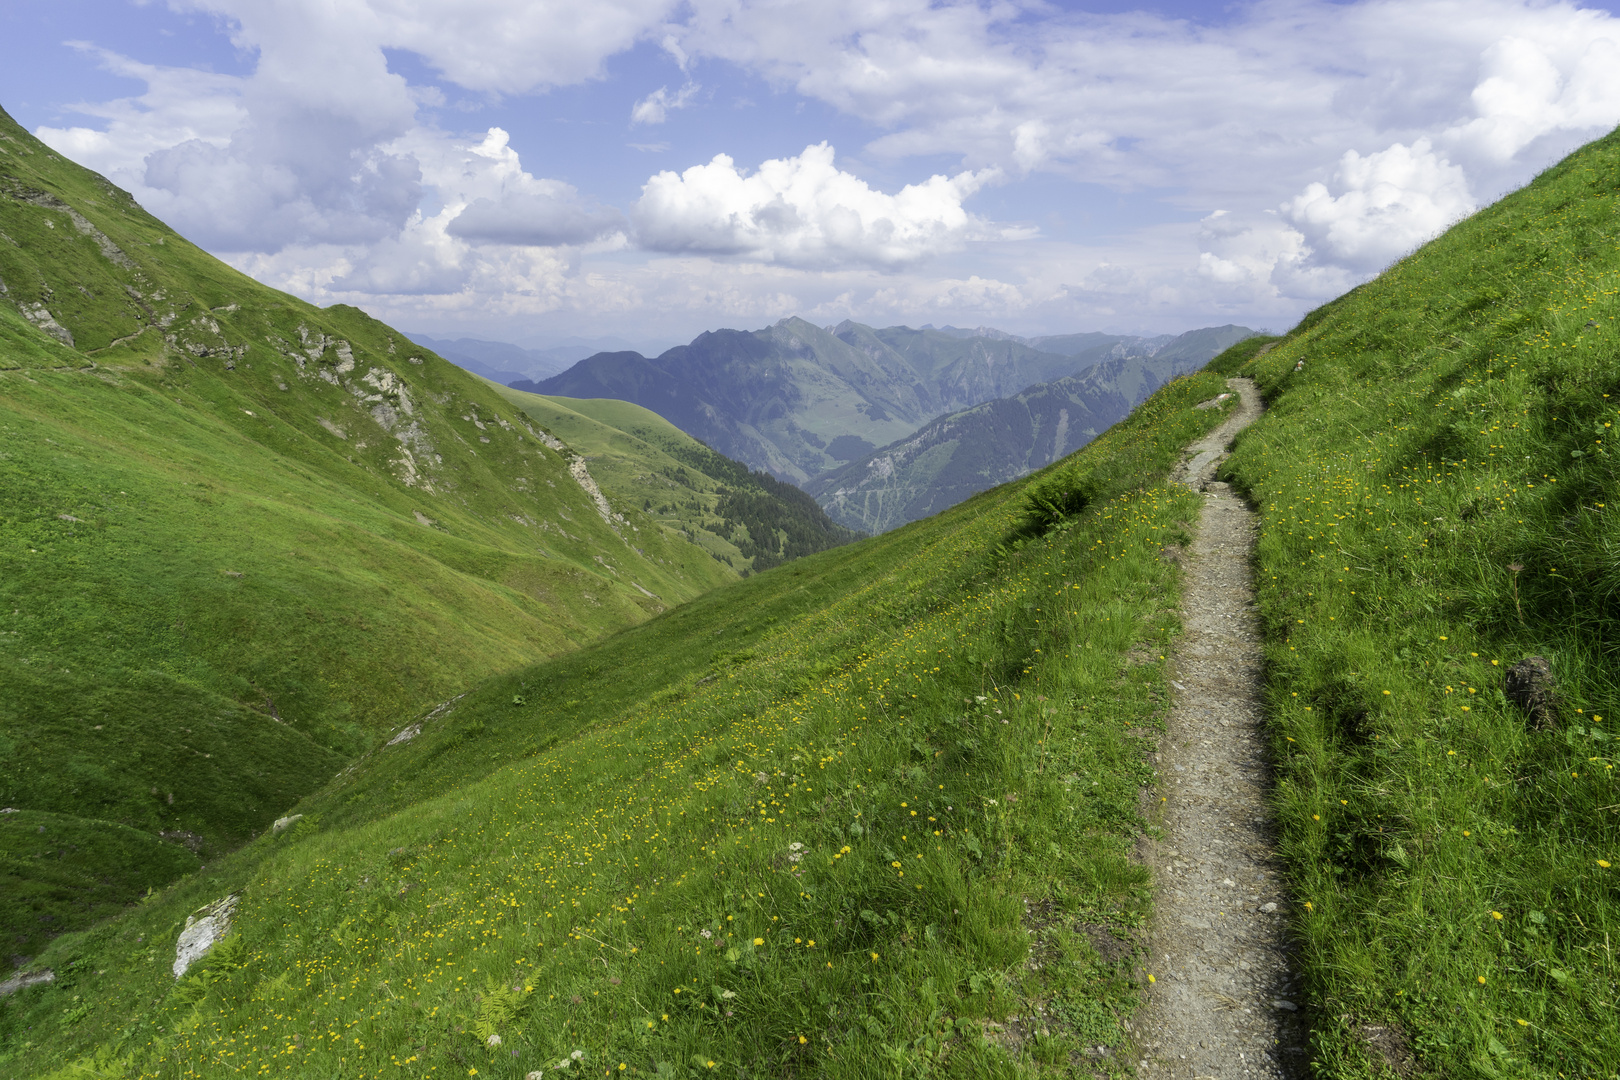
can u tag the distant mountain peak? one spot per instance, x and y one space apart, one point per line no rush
792 398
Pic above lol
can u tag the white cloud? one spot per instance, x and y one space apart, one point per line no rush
506 205
298 153
804 211
1533 88
655 107
1389 202
179 104
1337 134
1140 100
492 46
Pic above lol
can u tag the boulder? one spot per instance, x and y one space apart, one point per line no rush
204 929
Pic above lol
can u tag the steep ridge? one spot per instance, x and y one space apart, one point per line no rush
240 535
969 451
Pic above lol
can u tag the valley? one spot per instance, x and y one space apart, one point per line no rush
596 749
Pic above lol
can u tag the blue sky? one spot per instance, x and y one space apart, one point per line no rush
649 169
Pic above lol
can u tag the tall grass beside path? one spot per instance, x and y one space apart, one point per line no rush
1437 487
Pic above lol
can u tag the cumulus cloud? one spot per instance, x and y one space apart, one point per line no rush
492 46
1137 99
1258 260
1337 134
1244 248
805 211
1320 242
1389 202
655 107
1533 88
549 217
292 154
305 150
495 201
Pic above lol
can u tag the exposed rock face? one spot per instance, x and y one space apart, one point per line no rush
1529 685
36 314
204 929
45 199
32 978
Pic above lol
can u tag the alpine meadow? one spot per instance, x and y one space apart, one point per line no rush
506 735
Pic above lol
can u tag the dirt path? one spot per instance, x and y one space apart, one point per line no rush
1223 1001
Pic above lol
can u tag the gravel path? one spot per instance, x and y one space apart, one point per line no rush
1223 1003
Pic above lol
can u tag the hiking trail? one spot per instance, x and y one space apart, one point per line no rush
1225 1002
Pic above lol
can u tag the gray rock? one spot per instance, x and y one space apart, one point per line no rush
1529 685
32 978
204 929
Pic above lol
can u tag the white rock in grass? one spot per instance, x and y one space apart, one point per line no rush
204 928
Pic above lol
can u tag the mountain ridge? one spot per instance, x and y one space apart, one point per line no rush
960 454
791 397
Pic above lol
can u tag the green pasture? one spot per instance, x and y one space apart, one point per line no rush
869 813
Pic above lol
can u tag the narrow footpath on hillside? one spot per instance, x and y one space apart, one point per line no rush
1223 1004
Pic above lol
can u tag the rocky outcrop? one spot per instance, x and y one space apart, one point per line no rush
204 929
36 314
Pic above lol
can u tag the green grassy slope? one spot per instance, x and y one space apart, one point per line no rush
1437 487
869 813
749 521
241 536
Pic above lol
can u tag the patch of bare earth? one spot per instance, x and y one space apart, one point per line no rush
1224 1002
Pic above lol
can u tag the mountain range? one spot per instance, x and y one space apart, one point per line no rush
966 452
804 402
780 398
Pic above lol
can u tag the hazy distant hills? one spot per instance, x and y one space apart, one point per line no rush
797 400
967 452
503 361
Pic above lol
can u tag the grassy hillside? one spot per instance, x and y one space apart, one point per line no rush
1437 486
241 536
869 813
749 521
